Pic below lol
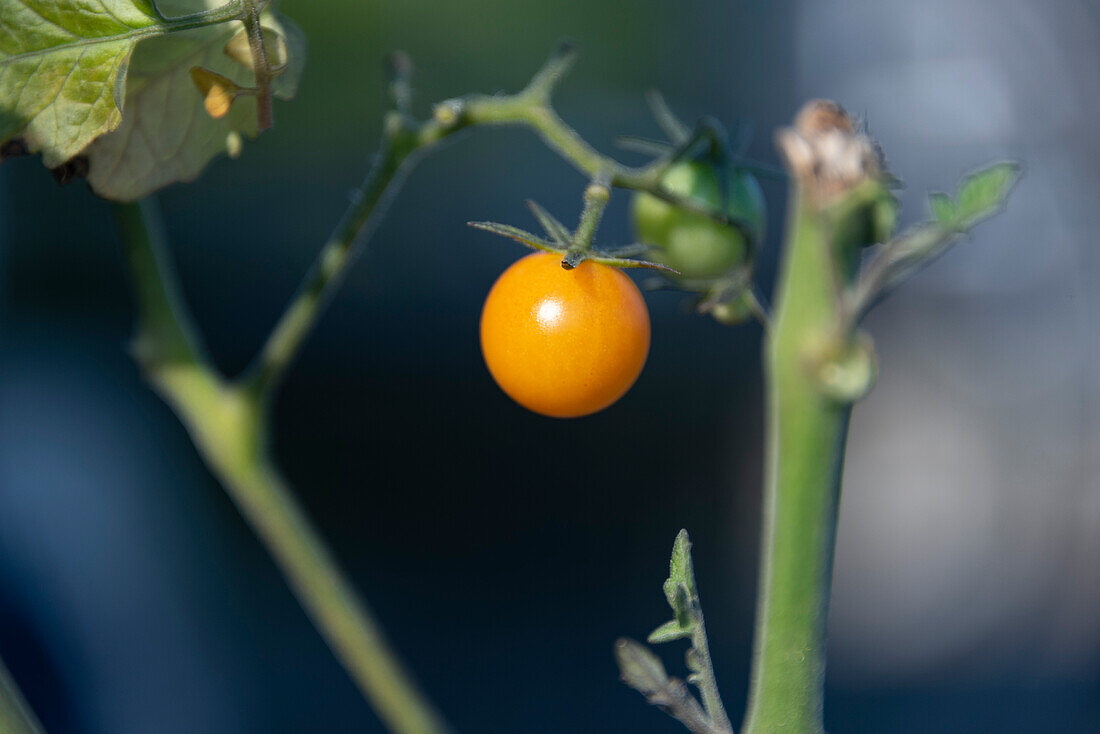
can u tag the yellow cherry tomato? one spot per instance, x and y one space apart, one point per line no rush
564 343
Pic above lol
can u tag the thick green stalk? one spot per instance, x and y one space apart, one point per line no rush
227 422
16 716
805 451
228 426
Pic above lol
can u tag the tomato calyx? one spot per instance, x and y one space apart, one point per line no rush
576 246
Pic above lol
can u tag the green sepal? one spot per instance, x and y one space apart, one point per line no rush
558 232
515 233
623 262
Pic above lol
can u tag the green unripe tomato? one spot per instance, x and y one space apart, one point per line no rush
698 247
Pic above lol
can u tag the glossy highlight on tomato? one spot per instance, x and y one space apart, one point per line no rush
564 343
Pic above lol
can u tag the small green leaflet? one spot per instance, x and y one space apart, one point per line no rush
979 196
109 79
680 592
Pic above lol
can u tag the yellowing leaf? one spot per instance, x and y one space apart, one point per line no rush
218 92
166 134
109 80
63 69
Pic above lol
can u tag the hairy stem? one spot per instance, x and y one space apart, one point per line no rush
805 450
708 684
228 424
16 716
264 106
326 273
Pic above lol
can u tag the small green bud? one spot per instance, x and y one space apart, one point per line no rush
448 113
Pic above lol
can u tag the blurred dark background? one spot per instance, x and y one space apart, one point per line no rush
503 551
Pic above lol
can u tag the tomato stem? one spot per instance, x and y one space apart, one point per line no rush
805 447
264 107
228 423
807 427
596 197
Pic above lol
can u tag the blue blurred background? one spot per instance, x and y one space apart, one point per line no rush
505 552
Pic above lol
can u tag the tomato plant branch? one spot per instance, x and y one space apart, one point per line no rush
16 716
643 671
405 140
596 197
227 421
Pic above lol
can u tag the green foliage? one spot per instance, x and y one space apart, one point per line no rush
982 194
942 207
166 135
643 671
63 68
110 80
979 196
674 629
680 592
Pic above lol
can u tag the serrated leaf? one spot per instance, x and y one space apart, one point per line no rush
983 193
978 197
165 135
669 631
640 668
63 68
